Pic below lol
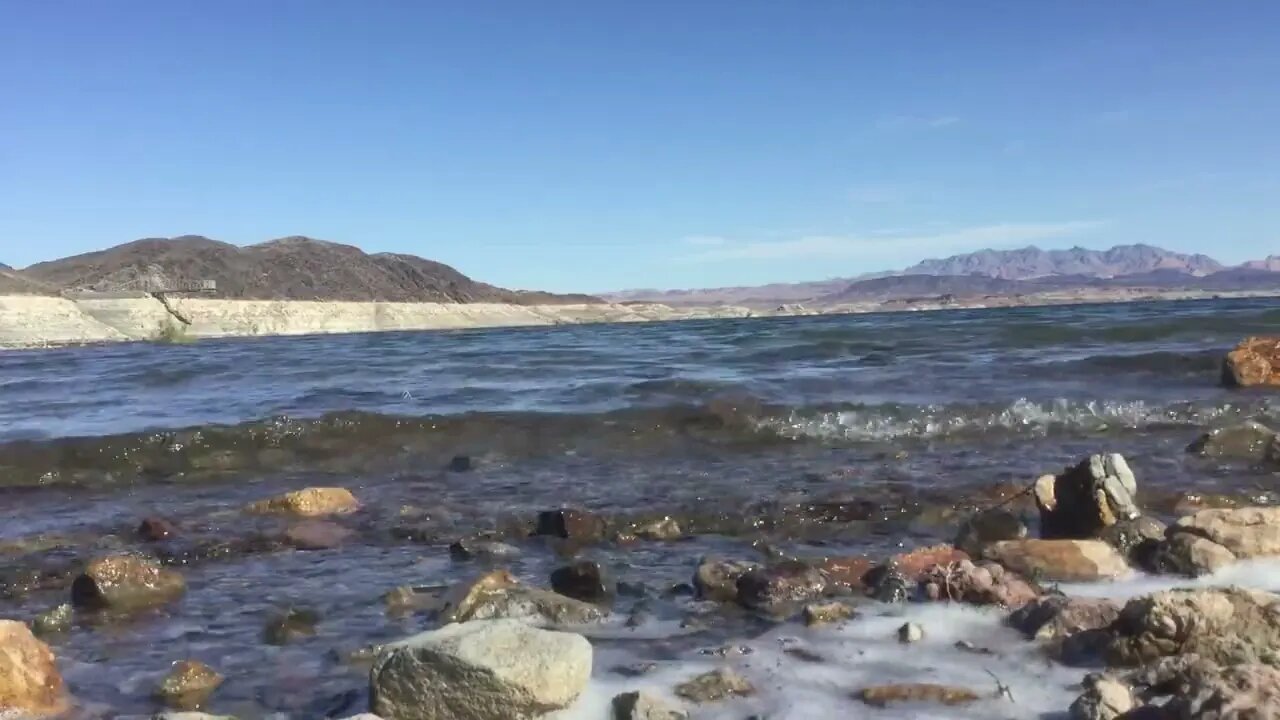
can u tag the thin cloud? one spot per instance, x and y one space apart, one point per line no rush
872 245
706 240
916 122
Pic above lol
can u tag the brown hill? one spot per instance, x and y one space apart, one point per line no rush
293 268
13 282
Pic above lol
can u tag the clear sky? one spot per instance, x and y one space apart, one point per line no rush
597 145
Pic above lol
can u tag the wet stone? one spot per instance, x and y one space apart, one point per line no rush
717 578
664 528
1249 440
886 695
886 584
571 524
309 502
155 529
125 582
910 633
584 580
54 621
988 527
774 588
644 706
1055 617
715 686
290 625
30 684
188 685
317 535
827 612
468 549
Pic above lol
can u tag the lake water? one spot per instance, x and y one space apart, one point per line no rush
735 427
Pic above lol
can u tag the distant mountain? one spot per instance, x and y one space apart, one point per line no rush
13 282
4 267
1271 263
293 268
1032 262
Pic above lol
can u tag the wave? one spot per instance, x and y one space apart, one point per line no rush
359 442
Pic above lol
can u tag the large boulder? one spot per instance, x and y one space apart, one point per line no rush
30 684
1054 617
1104 698
1222 625
1060 560
1249 440
1248 532
480 671
125 582
498 595
1255 362
1202 690
309 502
1081 501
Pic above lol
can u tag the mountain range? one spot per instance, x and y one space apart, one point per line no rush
997 272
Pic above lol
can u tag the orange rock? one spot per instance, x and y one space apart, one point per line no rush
1254 362
309 502
884 695
30 684
914 564
846 572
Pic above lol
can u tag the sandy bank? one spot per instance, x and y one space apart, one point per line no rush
35 321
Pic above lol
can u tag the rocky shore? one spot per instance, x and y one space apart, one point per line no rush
1088 591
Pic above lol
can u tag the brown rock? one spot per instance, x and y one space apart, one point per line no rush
775 588
309 502
497 594
827 612
30 684
715 686
914 564
846 572
317 535
1064 560
188 685
125 582
1187 554
643 706
1255 362
1205 691
989 526
1083 500
981 584
885 695
664 528
717 579
570 524
1055 617
584 580
155 529
1248 532
1222 625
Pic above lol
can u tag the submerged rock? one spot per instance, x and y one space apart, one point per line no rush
317 535
1054 617
498 595
480 671
987 527
125 582
571 524
155 529
1104 698
481 549
30 684
1255 362
584 580
309 502
1085 499
885 695
715 686
827 612
1249 440
1222 625
780 586
54 621
292 624
188 685
663 528
645 706
717 578
1062 560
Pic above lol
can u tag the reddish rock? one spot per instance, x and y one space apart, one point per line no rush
30 684
1255 362
317 535
914 564
155 529
846 572
570 524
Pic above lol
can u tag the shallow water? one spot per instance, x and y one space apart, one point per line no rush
737 427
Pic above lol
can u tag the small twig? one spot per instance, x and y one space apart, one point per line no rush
1002 690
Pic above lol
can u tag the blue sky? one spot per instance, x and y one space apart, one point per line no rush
602 145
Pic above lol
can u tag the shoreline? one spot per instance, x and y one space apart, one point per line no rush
35 321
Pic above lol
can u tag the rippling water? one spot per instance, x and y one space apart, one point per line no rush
733 425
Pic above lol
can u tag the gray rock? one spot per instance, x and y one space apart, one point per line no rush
497 594
54 621
1085 499
715 686
1054 617
1128 536
480 671
910 633
717 578
1246 441
1204 690
1104 698
644 706
1222 625
1213 539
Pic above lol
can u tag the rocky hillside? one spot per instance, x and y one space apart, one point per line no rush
1032 262
1270 263
13 282
293 268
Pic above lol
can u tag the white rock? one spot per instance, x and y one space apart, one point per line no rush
480 670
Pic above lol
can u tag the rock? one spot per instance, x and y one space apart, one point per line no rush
481 549
644 706
886 584
155 529
1248 440
309 502
460 464
125 582
317 535
188 685
498 595
846 572
715 686
1202 690
914 564
584 580
717 578
30 684
292 624
1187 554
990 526
409 599
1248 532
1222 625
54 621
1062 560
169 715
1255 362
1054 617
480 671
885 695
1085 499
1104 698
664 528
983 584
1133 538
777 587
910 633
827 612
569 524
